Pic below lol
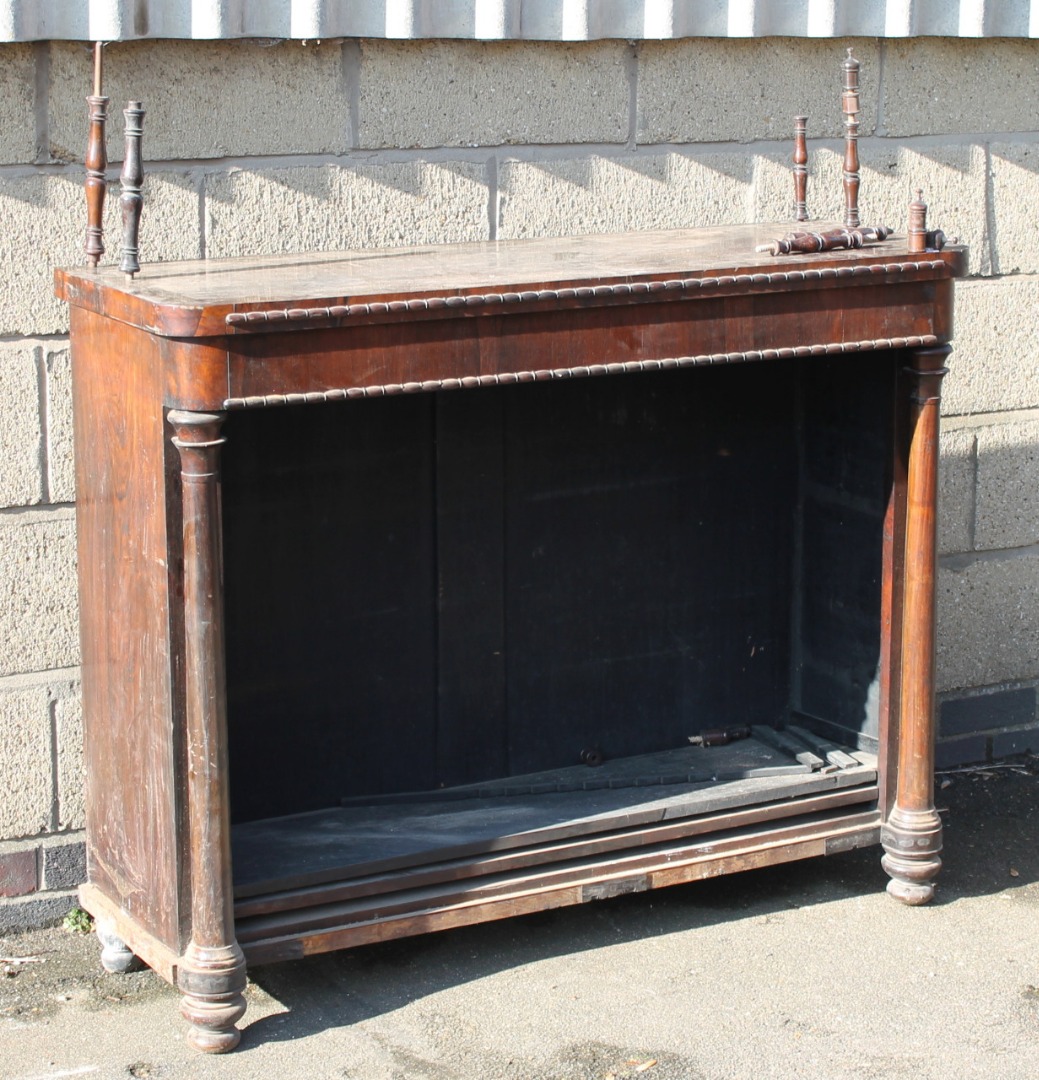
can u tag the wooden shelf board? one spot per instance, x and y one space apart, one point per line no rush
280 940
350 842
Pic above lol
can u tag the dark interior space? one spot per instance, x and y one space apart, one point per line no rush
441 589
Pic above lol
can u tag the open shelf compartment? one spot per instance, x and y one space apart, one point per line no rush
474 590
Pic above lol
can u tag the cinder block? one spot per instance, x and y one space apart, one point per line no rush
988 620
952 178
61 472
774 187
44 219
63 863
21 432
25 749
732 90
18 871
992 368
948 753
32 912
38 618
68 715
987 712
454 93
934 86
329 208
17 104
206 99
956 490
1015 195
1016 742
641 191
1008 485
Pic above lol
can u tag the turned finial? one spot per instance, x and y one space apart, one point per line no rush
96 161
917 235
850 109
131 179
800 168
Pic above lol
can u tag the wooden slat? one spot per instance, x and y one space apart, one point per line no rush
266 950
543 854
782 741
833 753
743 760
591 870
342 843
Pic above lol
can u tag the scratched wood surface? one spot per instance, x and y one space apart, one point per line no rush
466 266
196 297
401 915
132 710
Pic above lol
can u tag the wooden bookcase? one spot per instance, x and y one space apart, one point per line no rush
382 553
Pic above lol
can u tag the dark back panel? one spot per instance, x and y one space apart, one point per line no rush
331 642
649 531
483 583
848 413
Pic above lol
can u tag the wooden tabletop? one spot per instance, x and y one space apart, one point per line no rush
196 297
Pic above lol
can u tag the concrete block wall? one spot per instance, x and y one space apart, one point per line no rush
255 147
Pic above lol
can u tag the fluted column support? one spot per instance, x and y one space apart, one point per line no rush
912 835
212 971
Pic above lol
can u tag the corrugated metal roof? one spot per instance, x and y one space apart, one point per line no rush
538 20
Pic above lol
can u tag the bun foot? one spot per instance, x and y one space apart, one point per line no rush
913 893
213 1022
116 957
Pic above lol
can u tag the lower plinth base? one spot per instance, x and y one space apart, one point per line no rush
912 840
212 980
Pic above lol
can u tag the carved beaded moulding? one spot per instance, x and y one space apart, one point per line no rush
627 368
260 320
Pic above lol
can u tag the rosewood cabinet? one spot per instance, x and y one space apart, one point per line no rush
407 575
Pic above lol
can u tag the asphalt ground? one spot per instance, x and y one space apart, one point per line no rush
807 970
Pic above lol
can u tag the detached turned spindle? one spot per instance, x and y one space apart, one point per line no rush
131 179
800 169
803 242
96 161
850 109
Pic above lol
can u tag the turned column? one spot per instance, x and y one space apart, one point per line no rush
211 972
912 834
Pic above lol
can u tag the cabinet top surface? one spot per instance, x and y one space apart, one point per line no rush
196 297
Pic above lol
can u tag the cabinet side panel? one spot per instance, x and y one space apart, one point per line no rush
124 621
